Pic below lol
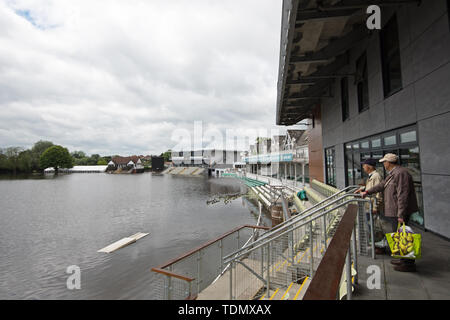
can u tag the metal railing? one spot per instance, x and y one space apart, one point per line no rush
306 213
287 254
187 275
329 281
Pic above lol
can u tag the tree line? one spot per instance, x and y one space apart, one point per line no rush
42 155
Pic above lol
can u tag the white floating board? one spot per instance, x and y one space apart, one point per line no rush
123 242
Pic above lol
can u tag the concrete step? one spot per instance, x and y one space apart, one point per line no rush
176 170
314 196
188 170
301 290
198 171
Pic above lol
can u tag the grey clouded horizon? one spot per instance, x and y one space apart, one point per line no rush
119 77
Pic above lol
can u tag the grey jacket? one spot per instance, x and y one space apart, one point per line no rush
399 194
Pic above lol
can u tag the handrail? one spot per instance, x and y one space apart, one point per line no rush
312 207
172 274
239 253
294 220
325 283
161 268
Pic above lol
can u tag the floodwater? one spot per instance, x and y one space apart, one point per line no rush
49 224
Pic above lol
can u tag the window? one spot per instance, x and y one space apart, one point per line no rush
362 83
409 136
330 158
390 140
448 11
376 143
390 58
224 157
344 99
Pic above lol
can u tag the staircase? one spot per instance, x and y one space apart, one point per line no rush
288 260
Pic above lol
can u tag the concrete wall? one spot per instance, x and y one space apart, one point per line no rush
424 36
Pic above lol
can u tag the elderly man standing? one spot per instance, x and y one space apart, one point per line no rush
374 178
399 200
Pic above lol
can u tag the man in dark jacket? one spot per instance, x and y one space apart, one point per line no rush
399 200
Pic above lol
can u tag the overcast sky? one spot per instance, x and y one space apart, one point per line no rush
119 77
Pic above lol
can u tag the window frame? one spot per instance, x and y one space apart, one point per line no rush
363 81
330 170
345 104
386 60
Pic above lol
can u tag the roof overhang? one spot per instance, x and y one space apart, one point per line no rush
316 36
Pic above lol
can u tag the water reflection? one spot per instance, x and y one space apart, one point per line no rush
48 224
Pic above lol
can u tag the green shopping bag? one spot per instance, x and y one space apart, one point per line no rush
415 253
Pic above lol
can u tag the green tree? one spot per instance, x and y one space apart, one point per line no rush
3 161
93 159
36 152
167 155
78 154
56 157
25 161
102 162
12 155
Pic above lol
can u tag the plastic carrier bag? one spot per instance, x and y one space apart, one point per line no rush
405 244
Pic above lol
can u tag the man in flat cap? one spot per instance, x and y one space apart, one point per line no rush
399 200
374 178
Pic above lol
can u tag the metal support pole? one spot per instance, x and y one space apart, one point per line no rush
355 254
348 267
372 236
199 259
268 269
311 266
290 169
169 287
295 174
221 255
325 231
303 173
237 240
262 261
285 172
190 289
231 279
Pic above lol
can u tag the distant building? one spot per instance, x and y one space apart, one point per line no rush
208 158
133 162
79 169
157 163
283 156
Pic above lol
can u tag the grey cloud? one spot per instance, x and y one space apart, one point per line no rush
119 76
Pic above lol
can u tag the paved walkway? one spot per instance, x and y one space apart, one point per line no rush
430 281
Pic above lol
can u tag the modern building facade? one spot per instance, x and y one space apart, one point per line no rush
370 92
207 158
283 157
